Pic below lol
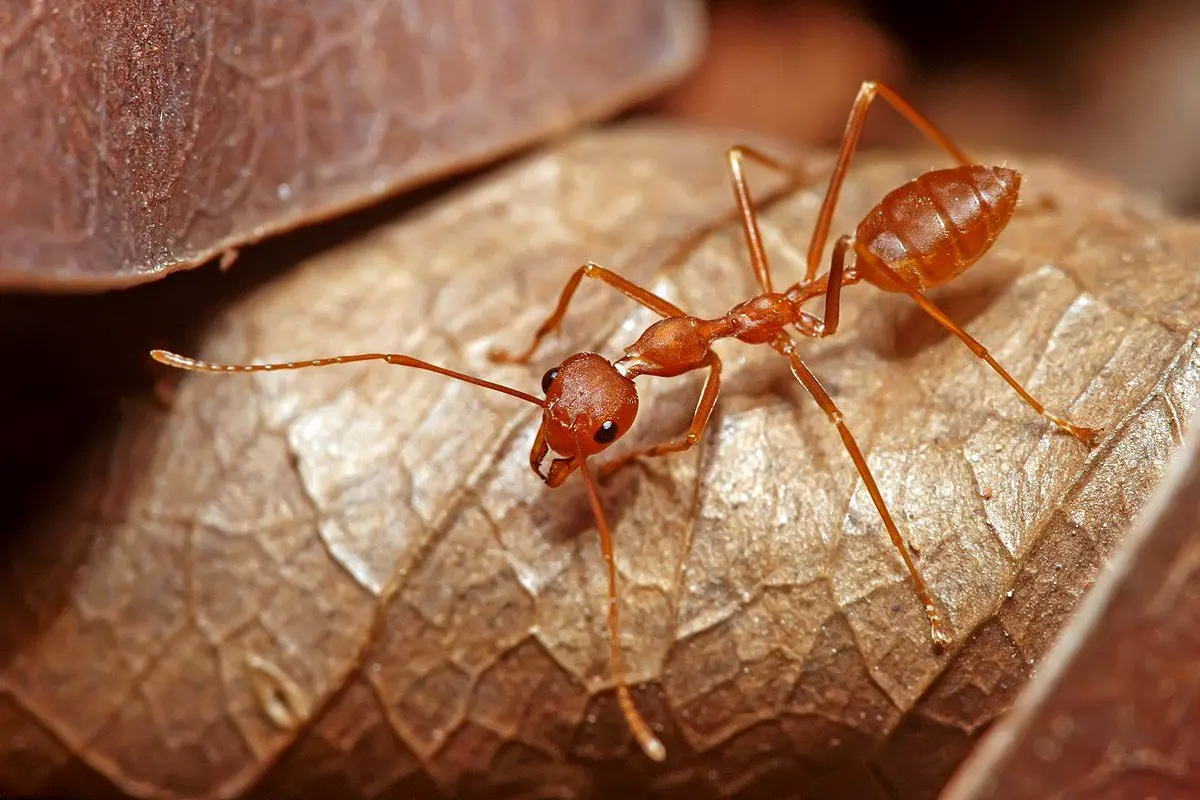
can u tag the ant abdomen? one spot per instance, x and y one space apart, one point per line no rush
934 227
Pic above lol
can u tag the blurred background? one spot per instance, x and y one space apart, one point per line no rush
1111 84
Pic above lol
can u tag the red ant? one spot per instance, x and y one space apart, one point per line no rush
919 236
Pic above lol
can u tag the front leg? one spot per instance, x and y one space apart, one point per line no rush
704 409
591 270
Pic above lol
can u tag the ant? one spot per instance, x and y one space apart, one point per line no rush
920 236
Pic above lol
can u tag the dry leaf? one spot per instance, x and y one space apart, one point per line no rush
347 581
1112 713
141 138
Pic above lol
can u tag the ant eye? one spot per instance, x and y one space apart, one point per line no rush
548 379
605 433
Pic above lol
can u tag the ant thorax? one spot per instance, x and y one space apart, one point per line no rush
670 347
761 319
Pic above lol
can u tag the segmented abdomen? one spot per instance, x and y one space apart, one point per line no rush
933 227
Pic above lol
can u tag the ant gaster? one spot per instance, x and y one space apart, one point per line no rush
920 236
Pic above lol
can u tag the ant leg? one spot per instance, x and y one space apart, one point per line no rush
814 387
741 191
835 281
704 409
854 126
1089 436
649 743
829 285
590 270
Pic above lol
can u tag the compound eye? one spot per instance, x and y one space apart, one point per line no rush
605 433
548 380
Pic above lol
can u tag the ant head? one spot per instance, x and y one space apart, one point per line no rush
589 405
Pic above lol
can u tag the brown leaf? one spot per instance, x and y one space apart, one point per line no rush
141 138
347 581
1112 714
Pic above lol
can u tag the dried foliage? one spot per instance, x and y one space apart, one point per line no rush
346 581
1112 713
140 138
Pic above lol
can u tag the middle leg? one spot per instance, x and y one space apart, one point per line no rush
803 374
736 157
